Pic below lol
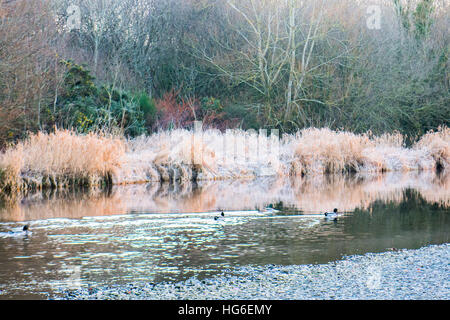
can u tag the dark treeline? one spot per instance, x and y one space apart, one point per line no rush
136 66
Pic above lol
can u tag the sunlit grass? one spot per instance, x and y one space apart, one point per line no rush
63 154
437 144
182 155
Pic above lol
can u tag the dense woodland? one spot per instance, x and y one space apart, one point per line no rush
134 67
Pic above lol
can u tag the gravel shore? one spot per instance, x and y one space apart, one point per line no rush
395 275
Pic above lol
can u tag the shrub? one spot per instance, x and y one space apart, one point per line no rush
148 107
86 107
175 112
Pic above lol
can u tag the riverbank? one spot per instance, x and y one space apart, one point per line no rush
65 159
395 275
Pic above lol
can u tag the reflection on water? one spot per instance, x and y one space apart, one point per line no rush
312 195
153 233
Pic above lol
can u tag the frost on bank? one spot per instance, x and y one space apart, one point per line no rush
211 154
65 158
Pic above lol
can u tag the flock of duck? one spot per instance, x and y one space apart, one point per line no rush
270 209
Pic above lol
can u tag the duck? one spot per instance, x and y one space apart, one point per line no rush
269 209
25 231
222 215
332 215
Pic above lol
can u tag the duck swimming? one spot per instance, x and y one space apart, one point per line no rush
222 215
25 231
332 215
270 209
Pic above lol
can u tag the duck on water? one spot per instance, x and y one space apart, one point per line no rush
269 209
222 215
24 232
332 215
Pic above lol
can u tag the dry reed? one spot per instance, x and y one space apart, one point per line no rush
62 155
437 145
326 151
207 155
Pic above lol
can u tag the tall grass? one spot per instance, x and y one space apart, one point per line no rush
327 151
11 162
61 157
65 157
185 155
437 145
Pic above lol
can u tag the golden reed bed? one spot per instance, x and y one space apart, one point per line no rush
65 158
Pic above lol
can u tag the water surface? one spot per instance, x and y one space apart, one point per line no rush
166 232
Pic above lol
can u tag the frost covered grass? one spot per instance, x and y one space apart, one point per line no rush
327 151
211 154
182 155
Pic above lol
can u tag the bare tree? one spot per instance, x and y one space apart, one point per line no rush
26 57
275 51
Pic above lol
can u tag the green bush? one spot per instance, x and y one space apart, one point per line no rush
148 106
86 107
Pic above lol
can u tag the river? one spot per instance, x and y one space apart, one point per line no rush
153 233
